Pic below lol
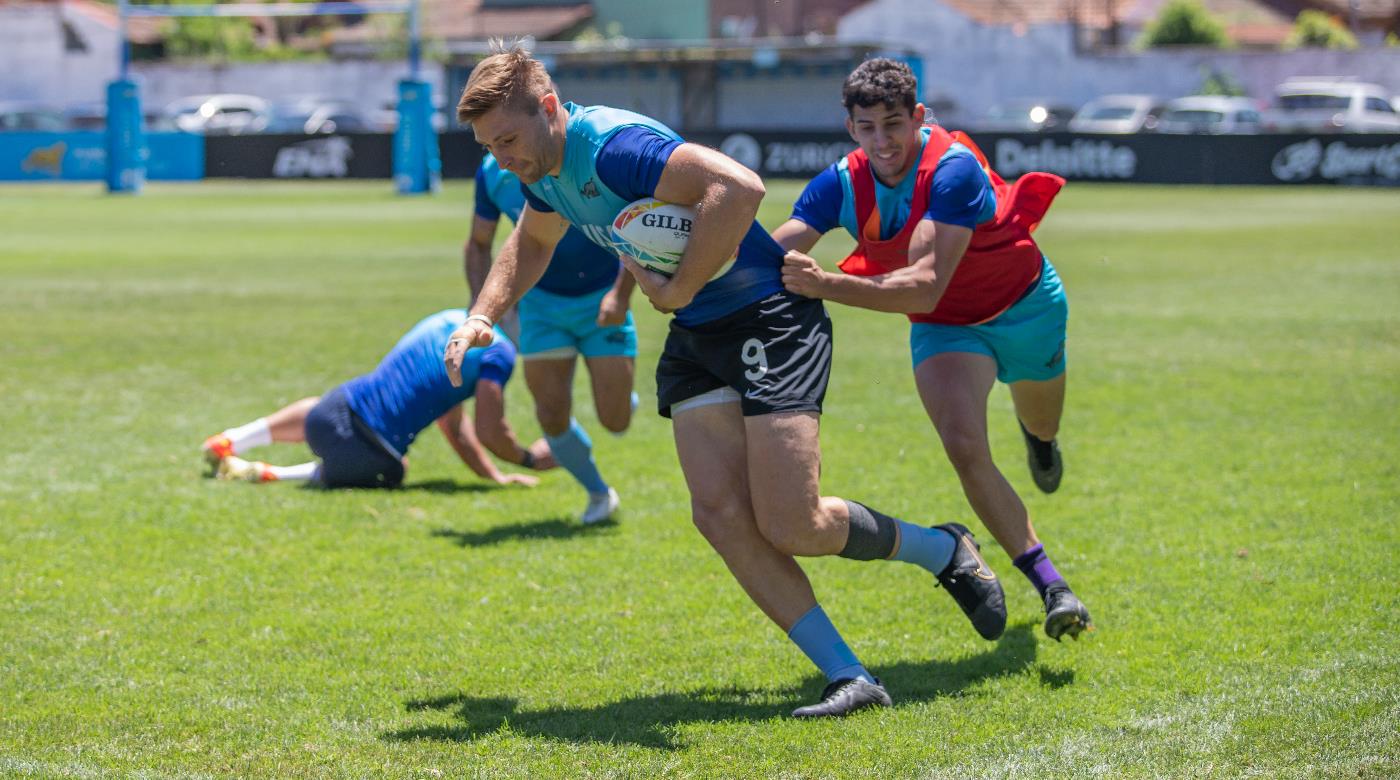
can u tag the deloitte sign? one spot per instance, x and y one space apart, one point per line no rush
1080 158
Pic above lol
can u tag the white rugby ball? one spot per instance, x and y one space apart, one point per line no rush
655 233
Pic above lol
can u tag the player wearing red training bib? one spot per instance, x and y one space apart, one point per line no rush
941 238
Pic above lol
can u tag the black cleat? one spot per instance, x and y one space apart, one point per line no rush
971 583
1044 459
844 697
1065 613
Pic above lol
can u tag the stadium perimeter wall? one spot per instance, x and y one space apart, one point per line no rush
1355 159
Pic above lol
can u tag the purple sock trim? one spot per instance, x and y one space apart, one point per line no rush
1036 565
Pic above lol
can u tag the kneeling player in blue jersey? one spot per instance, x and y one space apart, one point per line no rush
579 307
362 429
744 369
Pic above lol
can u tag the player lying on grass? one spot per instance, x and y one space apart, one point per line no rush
362 429
937 238
579 307
744 369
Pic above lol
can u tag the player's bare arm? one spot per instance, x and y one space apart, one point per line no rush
477 254
494 431
612 310
520 263
725 196
459 431
936 250
796 235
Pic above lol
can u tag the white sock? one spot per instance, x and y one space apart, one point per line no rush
301 471
254 434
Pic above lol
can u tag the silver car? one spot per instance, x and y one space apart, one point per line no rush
1025 116
227 114
1210 115
1310 105
1118 114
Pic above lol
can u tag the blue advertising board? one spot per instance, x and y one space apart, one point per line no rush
82 156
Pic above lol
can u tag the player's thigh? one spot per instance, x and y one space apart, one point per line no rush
349 455
710 442
953 387
551 382
785 460
1040 404
612 380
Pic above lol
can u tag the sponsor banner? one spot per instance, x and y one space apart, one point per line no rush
780 154
82 156
1338 160
460 154
1146 158
1356 159
359 156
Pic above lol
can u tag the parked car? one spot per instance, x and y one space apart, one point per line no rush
1118 114
86 116
386 118
1310 105
317 116
17 116
1210 115
226 114
1026 116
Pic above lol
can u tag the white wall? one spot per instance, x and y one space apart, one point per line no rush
371 82
34 65
658 97
979 66
778 102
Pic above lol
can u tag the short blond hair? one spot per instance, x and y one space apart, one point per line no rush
510 76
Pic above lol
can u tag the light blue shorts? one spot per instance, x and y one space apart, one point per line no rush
562 326
1027 340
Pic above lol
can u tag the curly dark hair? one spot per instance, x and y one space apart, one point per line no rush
880 81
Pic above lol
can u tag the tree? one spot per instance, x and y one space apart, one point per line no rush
1185 23
212 38
1319 30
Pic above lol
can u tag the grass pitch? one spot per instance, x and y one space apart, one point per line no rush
1229 514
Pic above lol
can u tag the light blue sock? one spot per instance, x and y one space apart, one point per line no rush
820 641
931 548
574 451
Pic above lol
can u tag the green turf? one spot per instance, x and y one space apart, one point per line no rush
1229 513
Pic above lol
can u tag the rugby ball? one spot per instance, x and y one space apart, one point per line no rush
655 233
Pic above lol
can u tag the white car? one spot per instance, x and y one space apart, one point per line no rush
1210 115
227 114
1117 114
1312 105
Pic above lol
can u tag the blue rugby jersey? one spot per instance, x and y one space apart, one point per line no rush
613 157
961 194
577 267
409 389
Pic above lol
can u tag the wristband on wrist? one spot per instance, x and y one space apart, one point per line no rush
481 318
528 461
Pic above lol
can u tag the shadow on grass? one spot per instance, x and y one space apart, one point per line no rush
650 721
450 486
552 528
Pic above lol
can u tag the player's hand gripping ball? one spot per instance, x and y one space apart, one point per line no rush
655 233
